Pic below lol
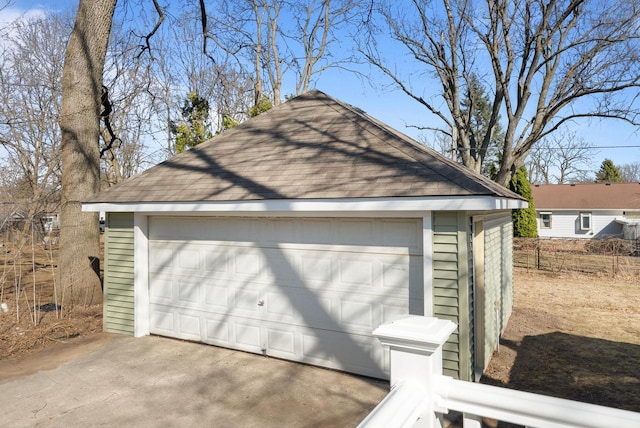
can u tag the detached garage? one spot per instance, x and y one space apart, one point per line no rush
300 231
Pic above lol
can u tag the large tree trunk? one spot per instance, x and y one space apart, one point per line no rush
80 125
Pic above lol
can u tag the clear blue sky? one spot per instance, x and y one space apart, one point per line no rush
398 110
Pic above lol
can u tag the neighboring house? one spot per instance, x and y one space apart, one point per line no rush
593 210
51 222
14 216
298 232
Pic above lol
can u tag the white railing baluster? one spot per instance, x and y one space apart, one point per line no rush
471 421
401 408
420 394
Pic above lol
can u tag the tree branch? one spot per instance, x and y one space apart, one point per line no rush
147 38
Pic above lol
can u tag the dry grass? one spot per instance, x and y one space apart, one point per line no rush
20 338
572 336
35 317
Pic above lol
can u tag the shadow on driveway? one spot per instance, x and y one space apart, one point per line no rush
149 381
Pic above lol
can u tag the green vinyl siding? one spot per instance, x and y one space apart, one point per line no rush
452 287
498 242
118 273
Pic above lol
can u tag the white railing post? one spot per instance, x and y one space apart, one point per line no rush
415 352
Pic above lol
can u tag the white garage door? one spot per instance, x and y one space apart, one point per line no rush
309 290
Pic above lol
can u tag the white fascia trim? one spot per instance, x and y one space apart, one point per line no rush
282 206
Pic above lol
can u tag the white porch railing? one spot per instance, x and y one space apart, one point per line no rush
420 394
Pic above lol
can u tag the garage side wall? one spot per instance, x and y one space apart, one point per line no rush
451 289
118 274
498 278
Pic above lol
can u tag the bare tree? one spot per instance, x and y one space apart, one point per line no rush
80 125
278 38
126 108
318 26
30 106
630 172
546 63
248 31
223 83
561 158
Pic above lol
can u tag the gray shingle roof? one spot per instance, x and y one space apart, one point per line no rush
312 146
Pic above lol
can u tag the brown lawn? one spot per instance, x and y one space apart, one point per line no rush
572 336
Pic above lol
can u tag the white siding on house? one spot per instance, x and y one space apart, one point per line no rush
566 224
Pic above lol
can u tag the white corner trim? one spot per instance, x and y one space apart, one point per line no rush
141 326
354 205
427 263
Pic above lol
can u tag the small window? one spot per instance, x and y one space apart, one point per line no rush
585 221
545 220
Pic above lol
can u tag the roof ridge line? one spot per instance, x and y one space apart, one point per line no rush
414 144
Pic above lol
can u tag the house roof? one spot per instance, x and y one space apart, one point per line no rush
591 196
313 146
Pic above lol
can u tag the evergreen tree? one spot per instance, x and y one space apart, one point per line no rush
609 173
524 220
194 128
477 111
261 106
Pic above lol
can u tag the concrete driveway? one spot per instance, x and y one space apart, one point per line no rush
153 381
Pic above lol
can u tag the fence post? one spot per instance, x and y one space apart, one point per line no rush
415 353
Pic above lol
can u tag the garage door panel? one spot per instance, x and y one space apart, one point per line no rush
280 266
281 342
247 263
393 310
246 301
356 272
162 321
346 352
217 296
217 260
316 270
188 292
217 331
188 260
162 291
309 290
396 274
247 335
160 258
189 326
357 314
279 306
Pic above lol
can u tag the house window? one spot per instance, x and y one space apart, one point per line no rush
545 220
585 221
